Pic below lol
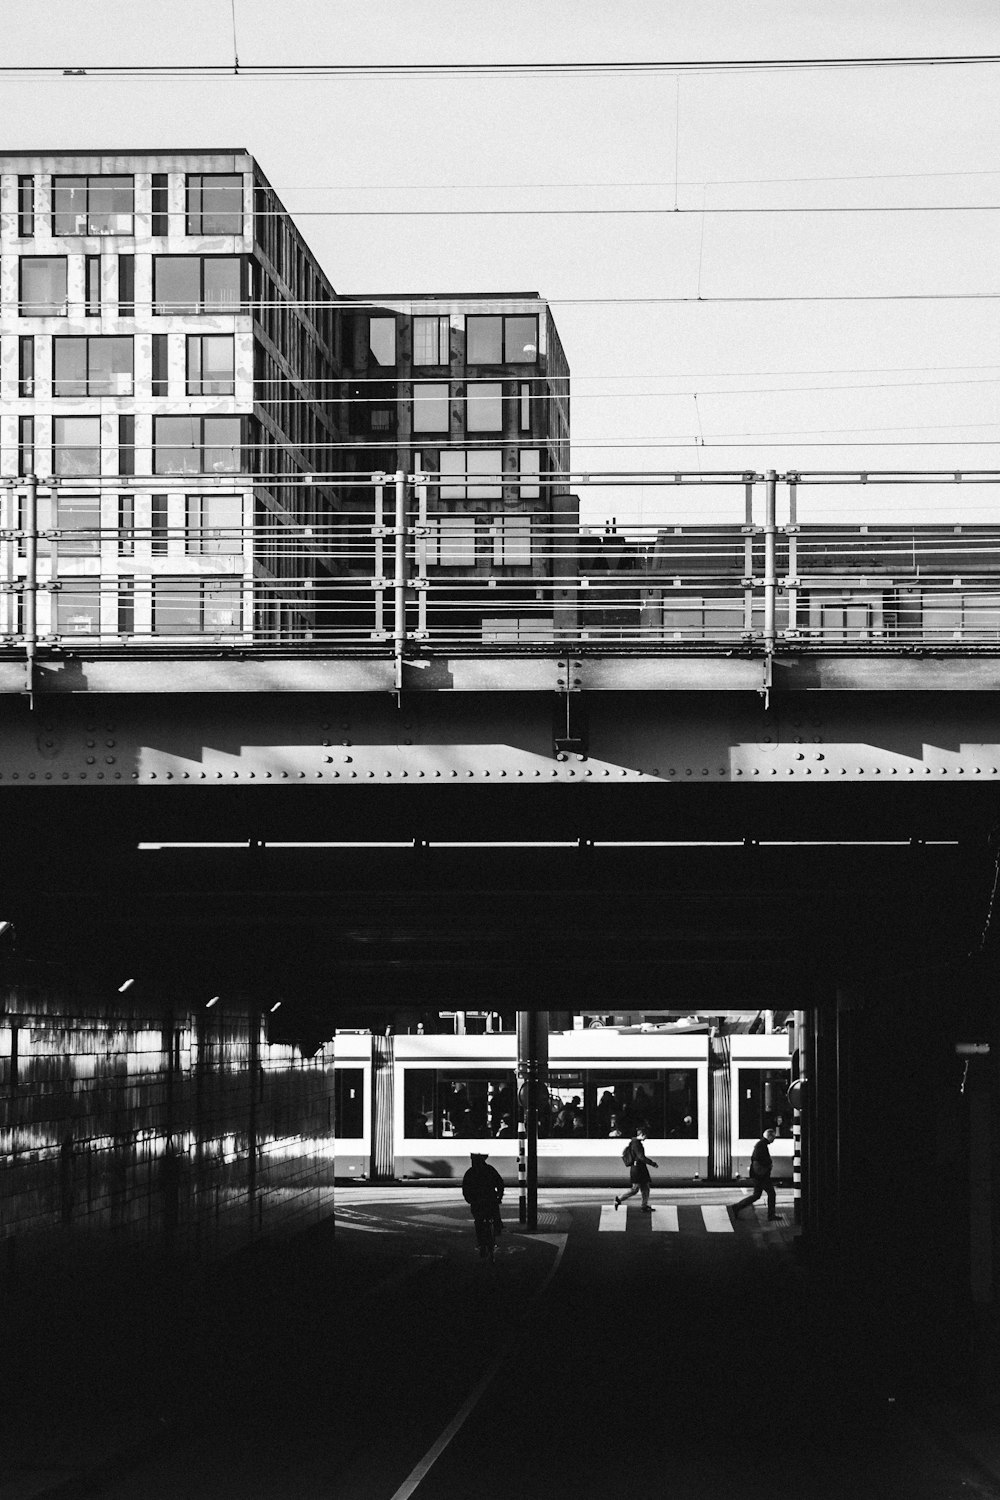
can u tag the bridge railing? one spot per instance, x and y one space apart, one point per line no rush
105 570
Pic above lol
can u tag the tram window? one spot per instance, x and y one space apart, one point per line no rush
763 1102
443 1103
348 1103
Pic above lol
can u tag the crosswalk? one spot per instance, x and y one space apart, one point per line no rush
665 1219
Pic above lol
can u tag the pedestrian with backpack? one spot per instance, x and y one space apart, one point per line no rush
638 1163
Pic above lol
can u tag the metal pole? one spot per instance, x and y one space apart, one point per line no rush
797 1132
770 570
522 1179
30 583
399 578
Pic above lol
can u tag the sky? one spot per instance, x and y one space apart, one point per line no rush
829 379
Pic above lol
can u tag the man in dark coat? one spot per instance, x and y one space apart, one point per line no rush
760 1176
482 1189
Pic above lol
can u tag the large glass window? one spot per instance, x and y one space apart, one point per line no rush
43 286
214 524
472 474
210 365
214 203
440 1103
484 407
78 607
451 541
92 367
78 519
431 341
495 339
763 1101
349 1103
594 1102
25 207
430 406
197 283
92 205
197 445
76 446
511 541
382 341
195 606
26 365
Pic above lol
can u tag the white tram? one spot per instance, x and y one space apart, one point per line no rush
413 1107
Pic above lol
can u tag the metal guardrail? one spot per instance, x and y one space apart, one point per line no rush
156 565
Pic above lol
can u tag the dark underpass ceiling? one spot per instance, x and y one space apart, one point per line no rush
650 901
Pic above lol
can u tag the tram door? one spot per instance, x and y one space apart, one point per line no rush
383 1162
720 1159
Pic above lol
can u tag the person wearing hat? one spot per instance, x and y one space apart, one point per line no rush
482 1189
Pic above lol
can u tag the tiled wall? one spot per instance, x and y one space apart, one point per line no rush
159 1126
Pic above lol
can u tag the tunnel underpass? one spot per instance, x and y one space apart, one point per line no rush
180 983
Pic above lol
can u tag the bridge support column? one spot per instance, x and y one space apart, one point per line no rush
532 1069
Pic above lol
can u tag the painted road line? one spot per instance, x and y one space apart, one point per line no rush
665 1218
613 1219
717 1220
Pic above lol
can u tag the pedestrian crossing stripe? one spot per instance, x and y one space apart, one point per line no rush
665 1219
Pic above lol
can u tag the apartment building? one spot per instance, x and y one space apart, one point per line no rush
470 395
167 347
195 417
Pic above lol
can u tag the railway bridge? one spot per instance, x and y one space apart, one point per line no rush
220 858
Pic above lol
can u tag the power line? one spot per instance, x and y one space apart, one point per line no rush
528 213
499 69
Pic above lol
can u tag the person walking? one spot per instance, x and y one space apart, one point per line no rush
482 1189
760 1176
638 1163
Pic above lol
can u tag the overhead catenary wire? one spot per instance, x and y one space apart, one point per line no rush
535 67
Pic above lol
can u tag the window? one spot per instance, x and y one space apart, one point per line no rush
472 474
161 354
214 525
159 531
491 339
126 444
126 286
92 285
445 1103
511 541
43 286
126 606
92 367
126 525
348 1103
25 446
529 469
92 205
524 406
197 445
195 606
484 407
197 283
763 1101
382 341
483 340
160 222
451 541
26 365
431 341
210 365
520 341
25 207
430 406
76 445
214 203
78 520
78 607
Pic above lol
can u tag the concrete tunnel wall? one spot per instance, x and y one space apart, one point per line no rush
154 1125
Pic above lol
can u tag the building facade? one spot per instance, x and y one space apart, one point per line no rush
194 423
